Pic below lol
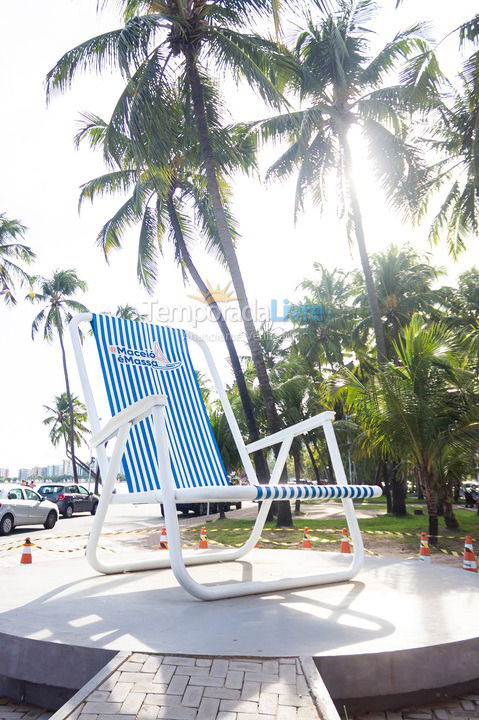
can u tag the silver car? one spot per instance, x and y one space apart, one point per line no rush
21 505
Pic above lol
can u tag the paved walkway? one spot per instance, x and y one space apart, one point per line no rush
20 711
191 688
461 708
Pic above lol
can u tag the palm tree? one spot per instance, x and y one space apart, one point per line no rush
344 87
422 408
56 296
188 41
323 325
58 420
11 251
164 200
129 312
404 286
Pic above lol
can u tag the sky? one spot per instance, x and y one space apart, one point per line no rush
41 173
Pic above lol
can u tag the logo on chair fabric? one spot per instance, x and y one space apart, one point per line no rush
154 358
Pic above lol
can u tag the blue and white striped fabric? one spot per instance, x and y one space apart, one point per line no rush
138 360
314 492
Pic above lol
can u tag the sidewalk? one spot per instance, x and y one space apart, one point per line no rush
148 686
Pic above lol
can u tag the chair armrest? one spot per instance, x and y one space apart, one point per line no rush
294 430
130 415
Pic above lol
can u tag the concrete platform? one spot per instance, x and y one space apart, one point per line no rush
369 635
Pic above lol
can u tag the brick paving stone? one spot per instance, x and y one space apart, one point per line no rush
164 673
130 666
105 708
239 706
222 693
253 716
246 665
275 688
234 679
99 695
226 716
207 681
250 691
122 717
192 696
287 661
393 716
88 716
208 708
294 700
440 714
110 682
307 713
137 677
287 674
119 692
268 703
152 699
468 705
219 668
152 664
177 660
261 677
140 657
150 687
148 712
271 667
286 712
177 685
176 713
204 662
133 703
190 670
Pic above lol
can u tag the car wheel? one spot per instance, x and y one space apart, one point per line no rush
51 520
94 509
6 525
68 511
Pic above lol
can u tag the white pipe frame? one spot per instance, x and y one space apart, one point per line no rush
119 427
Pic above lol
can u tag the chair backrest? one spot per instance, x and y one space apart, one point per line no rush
138 359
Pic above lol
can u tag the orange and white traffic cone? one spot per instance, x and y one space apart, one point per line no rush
469 562
26 558
306 543
163 540
345 546
424 550
203 544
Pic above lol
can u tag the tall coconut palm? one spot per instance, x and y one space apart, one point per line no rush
12 252
344 87
189 41
58 420
129 312
422 408
404 285
165 198
56 295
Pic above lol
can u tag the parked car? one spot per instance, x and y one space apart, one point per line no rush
23 506
69 498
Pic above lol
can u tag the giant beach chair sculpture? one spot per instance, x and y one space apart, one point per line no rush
160 437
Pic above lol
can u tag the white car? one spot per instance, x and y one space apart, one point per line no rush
21 505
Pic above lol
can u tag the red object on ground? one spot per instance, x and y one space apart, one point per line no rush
345 545
26 558
469 562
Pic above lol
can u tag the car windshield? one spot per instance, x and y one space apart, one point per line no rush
50 489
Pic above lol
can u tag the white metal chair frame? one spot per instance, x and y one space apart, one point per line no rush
119 426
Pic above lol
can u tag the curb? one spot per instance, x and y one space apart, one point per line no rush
319 692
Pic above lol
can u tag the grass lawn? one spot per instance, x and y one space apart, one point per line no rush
401 534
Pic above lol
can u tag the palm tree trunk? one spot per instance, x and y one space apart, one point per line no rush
296 453
258 457
70 405
227 240
284 509
426 481
363 254
313 461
